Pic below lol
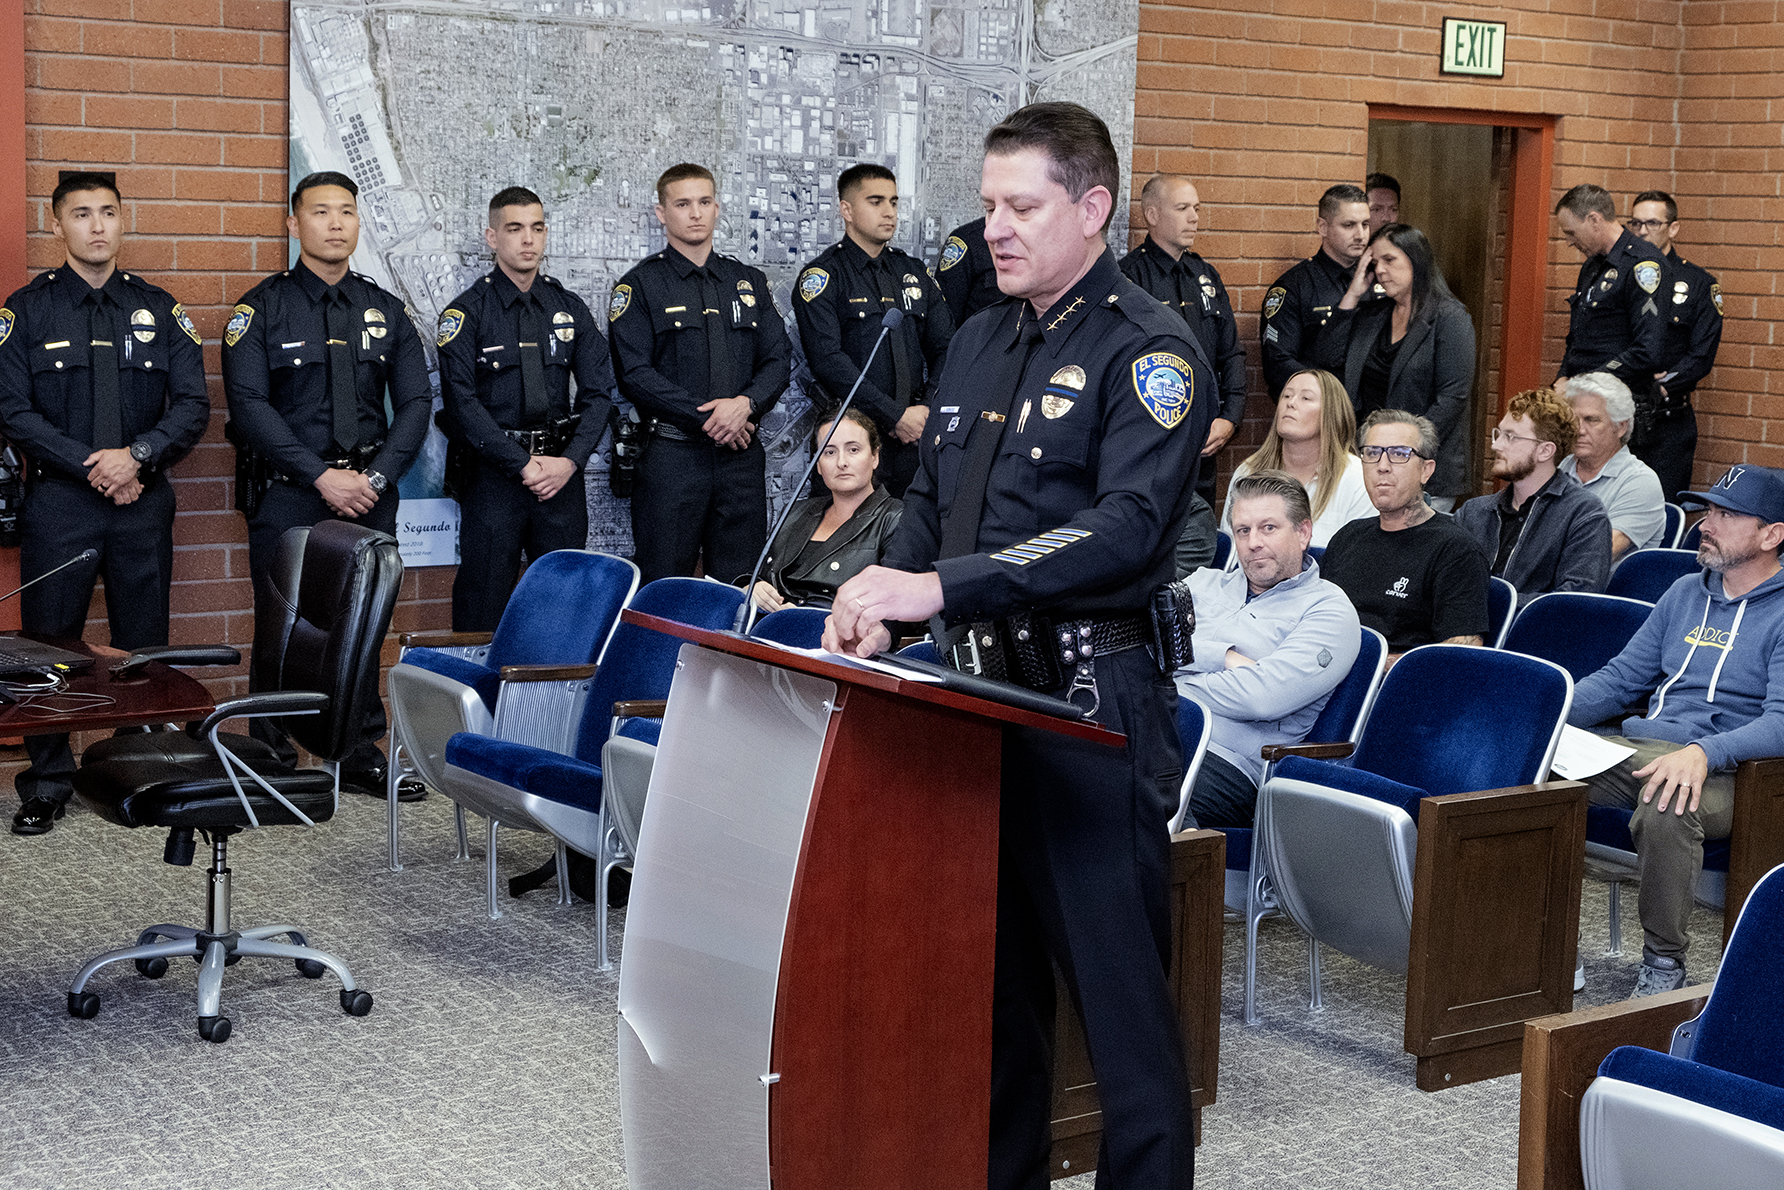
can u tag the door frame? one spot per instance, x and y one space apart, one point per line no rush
1527 231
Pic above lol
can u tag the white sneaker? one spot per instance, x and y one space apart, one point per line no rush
1579 977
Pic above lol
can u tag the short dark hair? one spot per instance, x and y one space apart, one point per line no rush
1382 182
1337 196
1275 483
327 177
1429 443
1080 154
83 179
1428 284
855 414
1585 198
1660 196
513 196
852 178
682 173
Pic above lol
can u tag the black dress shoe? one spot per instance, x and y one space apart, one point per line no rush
369 781
36 815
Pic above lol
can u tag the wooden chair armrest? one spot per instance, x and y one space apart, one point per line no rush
1561 1057
443 640
641 708
1338 751
1756 839
546 673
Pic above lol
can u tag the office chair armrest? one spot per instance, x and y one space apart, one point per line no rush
641 708
443 640
546 673
1338 751
1561 1057
254 706
176 655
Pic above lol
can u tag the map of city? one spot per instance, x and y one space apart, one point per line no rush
434 105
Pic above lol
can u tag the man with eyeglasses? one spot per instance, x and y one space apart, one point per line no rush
1542 532
1693 314
1412 574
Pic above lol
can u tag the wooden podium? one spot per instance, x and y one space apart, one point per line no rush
805 1000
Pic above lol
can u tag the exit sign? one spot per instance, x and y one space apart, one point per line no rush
1473 47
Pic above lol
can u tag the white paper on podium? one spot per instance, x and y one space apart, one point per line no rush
897 671
1580 754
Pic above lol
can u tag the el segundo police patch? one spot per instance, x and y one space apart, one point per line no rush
812 284
1165 386
452 321
1647 275
182 320
952 252
616 305
238 325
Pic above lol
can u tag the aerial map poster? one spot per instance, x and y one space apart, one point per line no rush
432 106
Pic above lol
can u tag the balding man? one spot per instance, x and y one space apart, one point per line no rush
1165 267
1626 486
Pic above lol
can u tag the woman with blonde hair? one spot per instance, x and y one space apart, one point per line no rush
1313 438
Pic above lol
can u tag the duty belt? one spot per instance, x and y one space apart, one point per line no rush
359 459
539 442
664 430
1043 652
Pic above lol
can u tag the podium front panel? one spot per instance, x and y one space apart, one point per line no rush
718 849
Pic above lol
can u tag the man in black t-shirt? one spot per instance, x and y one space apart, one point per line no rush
1412 574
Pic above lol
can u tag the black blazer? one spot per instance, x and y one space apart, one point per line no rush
1433 374
860 542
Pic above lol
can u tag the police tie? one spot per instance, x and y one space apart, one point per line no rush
342 381
532 364
719 377
108 414
892 294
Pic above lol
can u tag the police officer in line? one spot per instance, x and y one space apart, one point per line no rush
1383 193
1693 317
966 273
1616 325
509 346
309 355
699 348
841 295
102 387
1165 267
1055 477
1302 299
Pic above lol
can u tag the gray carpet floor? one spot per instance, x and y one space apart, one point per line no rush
488 1061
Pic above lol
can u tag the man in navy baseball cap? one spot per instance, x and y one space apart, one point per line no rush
1748 490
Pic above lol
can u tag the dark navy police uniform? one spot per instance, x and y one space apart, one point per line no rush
290 340
1300 302
1616 326
966 274
1084 501
495 342
838 302
1693 333
683 335
55 335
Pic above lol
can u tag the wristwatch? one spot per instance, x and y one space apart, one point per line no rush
141 452
378 482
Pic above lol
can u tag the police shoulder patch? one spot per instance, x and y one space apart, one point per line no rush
812 282
1647 275
452 321
7 319
1165 385
1273 301
1715 296
952 253
238 325
183 320
618 303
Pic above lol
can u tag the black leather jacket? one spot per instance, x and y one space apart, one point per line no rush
812 580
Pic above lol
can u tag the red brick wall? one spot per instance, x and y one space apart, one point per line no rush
1265 110
185 99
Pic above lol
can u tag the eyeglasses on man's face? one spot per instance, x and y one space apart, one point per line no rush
1395 454
1500 435
1639 226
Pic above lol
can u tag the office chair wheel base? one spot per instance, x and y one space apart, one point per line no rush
356 1003
83 1005
151 968
214 1028
309 968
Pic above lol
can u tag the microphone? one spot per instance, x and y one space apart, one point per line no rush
894 318
84 556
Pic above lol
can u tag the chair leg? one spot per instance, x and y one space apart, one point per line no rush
177 948
394 774
210 980
265 948
494 912
1616 940
1315 1000
464 837
604 961
565 896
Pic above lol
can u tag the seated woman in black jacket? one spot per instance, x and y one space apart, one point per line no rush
1411 348
830 539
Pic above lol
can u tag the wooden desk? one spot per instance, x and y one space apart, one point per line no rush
157 694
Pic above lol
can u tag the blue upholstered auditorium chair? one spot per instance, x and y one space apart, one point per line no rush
1581 631
1710 1113
1646 574
538 789
1691 538
1339 835
1502 600
1675 528
1194 725
338 585
1248 890
524 682
801 627
1223 549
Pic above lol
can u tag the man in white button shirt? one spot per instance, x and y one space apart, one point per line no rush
1602 462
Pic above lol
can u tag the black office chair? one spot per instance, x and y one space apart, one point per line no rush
338 586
